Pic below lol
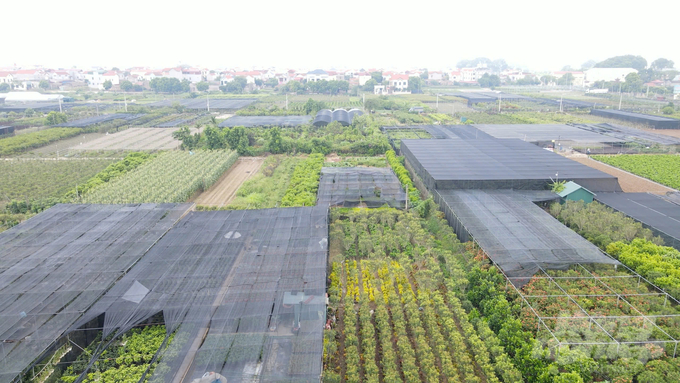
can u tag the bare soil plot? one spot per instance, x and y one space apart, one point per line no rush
225 188
630 183
63 146
135 139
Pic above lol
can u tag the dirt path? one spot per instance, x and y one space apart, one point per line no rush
630 183
225 188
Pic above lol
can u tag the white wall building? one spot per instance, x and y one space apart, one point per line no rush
193 75
607 74
435 76
6 78
398 81
317 75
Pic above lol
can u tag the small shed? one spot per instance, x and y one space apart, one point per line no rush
575 192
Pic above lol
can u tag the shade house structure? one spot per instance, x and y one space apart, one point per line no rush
490 190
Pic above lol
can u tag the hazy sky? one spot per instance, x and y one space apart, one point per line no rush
539 35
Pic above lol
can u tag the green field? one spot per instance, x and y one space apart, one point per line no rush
662 168
32 179
170 177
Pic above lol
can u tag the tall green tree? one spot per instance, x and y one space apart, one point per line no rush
415 84
567 79
633 82
275 144
126 86
54 118
214 138
377 76
626 61
662 63
202 86
44 84
237 139
588 64
107 84
489 81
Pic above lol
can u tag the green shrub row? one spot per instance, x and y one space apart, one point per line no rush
304 183
403 175
23 142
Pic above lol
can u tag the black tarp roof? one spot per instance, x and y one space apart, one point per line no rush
251 121
657 122
546 132
514 232
497 164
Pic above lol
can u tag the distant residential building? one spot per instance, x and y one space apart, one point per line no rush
250 76
193 75
29 75
317 75
455 76
59 76
363 77
380 89
111 76
607 74
470 74
6 78
226 78
435 76
398 81
173 73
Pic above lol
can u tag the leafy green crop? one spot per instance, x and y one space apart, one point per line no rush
661 264
170 177
304 183
662 168
23 142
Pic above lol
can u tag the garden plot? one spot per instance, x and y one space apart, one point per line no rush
135 139
224 191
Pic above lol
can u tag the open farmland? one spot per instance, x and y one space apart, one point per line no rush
32 179
266 188
661 168
630 183
170 177
134 139
224 190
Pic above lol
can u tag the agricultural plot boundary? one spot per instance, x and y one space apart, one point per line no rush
85 122
253 121
351 187
258 277
202 103
57 264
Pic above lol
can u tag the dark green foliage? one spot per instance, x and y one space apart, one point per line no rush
312 107
487 81
304 183
600 224
626 61
363 137
275 144
169 85
54 118
130 162
202 86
